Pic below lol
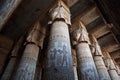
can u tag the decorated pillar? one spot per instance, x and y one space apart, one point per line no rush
27 66
85 63
111 67
75 64
58 64
118 70
38 71
112 70
11 64
98 58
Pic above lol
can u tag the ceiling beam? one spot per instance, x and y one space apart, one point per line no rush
94 24
117 61
79 7
115 54
112 47
108 42
90 16
100 30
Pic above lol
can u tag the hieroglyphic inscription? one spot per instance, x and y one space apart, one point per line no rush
58 56
27 66
86 66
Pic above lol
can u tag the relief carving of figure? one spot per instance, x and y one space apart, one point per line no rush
65 61
58 56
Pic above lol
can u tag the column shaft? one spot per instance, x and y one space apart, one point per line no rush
75 64
112 71
85 63
86 66
111 66
58 65
26 68
98 58
118 70
75 73
102 70
113 75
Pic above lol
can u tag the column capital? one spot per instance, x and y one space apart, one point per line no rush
60 11
80 35
97 50
33 35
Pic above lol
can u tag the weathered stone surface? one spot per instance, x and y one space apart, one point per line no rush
75 64
27 66
112 70
118 70
34 34
85 63
98 58
75 73
61 11
101 68
86 66
59 64
111 66
113 75
80 34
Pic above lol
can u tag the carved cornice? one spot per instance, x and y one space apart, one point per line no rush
33 36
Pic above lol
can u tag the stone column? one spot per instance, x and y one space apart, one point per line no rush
58 64
112 70
98 58
118 70
11 64
38 72
75 64
85 63
111 67
7 8
27 66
